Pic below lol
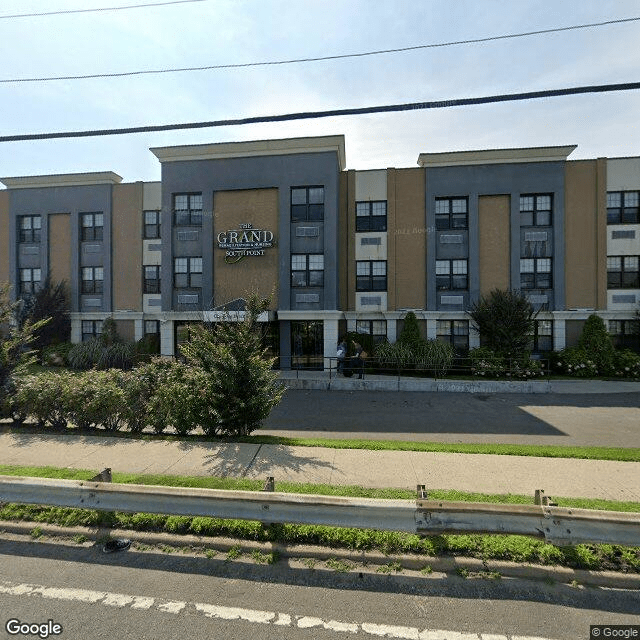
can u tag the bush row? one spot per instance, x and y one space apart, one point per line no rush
159 394
488 363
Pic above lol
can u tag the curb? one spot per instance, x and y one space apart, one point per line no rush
448 565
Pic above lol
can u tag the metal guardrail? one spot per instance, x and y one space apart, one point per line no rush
557 525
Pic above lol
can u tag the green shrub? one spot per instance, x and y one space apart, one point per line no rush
574 361
595 341
505 321
435 355
487 363
118 355
626 364
98 399
423 355
85 355
57 355
410 334
44 397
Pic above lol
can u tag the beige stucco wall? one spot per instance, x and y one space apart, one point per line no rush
351 241
585 234
406 241
4 236
494 242
59 247
126 235
252 274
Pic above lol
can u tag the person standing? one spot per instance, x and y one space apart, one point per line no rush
341 354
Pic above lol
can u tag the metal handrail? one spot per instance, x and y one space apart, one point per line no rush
557 525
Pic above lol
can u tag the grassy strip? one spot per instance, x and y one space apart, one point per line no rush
511 548
540 451
619 454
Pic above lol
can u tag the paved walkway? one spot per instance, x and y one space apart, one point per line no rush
464 472
329 380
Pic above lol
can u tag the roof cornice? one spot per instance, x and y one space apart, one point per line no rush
495 156
62 180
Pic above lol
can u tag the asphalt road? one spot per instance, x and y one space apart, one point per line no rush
562 419
159 596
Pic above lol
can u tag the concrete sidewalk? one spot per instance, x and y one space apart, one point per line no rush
331 381
381 469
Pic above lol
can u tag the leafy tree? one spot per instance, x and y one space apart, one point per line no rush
505 321
50 301
15 342
241 387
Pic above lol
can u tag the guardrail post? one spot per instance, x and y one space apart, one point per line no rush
421 492
543 500
269 486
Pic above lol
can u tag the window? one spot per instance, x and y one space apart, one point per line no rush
455 332
187 273
92 226
625 334
371 275
371 216
307 270
622 207
92 280
535 210
151 279
187 209
29 280
542 337
29 228
622 272
151 327
307 203
451 274
452 213
535 273
151 224
91 329
375 328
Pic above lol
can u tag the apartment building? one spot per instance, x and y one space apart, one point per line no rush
335 249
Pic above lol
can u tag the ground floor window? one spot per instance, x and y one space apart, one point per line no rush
307 345
625 334
91 329
377 329
455 332
542 337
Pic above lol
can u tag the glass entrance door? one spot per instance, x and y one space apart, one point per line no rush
307 345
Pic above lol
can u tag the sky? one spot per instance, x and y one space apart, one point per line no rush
215 32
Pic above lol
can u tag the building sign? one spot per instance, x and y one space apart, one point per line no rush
245 241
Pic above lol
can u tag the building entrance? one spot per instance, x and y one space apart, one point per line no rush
307 345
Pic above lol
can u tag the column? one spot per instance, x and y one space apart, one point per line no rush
166 339
330 335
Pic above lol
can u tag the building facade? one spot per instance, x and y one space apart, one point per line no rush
336 250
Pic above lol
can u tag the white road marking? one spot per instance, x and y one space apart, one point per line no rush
248 615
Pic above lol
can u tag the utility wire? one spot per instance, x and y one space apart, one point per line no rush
320 58
308 115
64 12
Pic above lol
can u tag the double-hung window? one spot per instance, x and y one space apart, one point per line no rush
187 273
455 332
307 270
29 280
92 280
307 203
187 209
535 273
371 216
371 275
536 210
377 329
91 329
151 224
625 334
542 337
92 226
151 279
623 207
622 272
452 274
452 213
29 228
151 327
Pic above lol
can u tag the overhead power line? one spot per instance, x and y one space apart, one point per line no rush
319 58
66 11
308 115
